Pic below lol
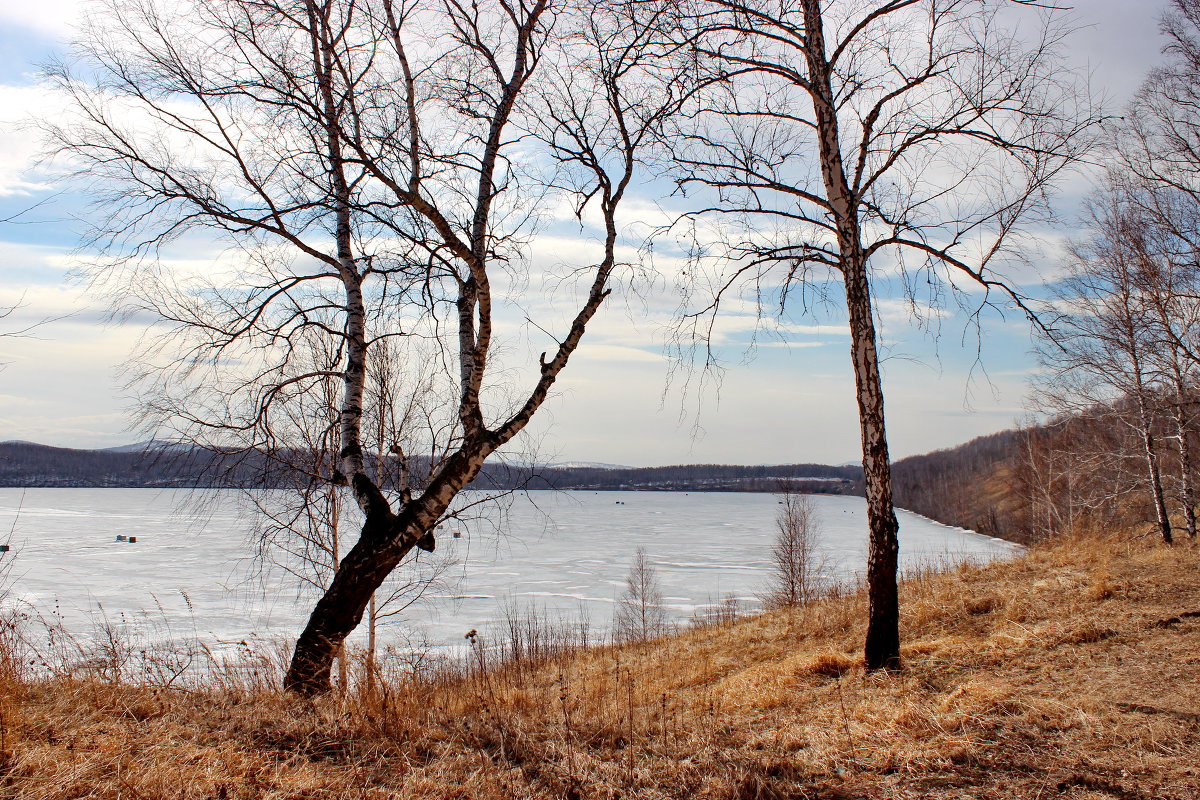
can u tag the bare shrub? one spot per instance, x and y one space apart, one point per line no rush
797 568
640 613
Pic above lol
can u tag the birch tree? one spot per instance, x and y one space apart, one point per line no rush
1159 137
847 140
1102 346
796 567
640 612
1157 143
375 170
1164 247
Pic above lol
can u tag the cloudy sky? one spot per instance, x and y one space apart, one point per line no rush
625 399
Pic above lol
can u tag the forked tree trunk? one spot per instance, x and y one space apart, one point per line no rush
339 611
385 540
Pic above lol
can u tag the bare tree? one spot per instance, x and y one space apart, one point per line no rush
1164 247
794 553
1082 469
915 137
640 613
1102 346
377 168
1158 144
303 520
1159 137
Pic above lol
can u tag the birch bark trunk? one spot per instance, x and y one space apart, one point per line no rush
1150 451
385 540
1146 429
1187 488
882 647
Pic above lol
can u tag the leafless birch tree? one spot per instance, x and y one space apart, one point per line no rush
376 168
1101 351
1159 137
794 554
1165 248
853 139
1157 143
640 613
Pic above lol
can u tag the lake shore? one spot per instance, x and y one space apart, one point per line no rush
1068 672
557 554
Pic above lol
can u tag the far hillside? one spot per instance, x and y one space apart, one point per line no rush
1088 471
25 464
1022 485
969 485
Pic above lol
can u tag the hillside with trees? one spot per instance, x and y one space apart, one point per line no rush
966 485
24 464
378 171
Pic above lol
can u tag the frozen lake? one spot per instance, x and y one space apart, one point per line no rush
565 553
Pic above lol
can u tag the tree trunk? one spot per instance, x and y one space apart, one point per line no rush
1187 489
882 648
372 621
1152 466
386 539
339 611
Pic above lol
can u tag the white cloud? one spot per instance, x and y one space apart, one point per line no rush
20 142
54 17
610 352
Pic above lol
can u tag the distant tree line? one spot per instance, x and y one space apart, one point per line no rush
32 465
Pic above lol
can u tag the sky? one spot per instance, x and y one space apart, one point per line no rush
625 399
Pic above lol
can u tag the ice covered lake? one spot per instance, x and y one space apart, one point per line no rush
564 554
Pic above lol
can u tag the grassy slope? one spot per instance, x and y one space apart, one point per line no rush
1073 672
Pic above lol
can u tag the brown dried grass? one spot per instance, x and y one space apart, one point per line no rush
1072 672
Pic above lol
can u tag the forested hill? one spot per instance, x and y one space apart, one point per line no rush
28 464
809 478
970 485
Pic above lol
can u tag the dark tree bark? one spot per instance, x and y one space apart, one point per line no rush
385 540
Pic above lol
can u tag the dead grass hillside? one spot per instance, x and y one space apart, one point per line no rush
1071 673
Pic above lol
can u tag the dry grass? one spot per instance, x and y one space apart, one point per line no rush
1073 673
